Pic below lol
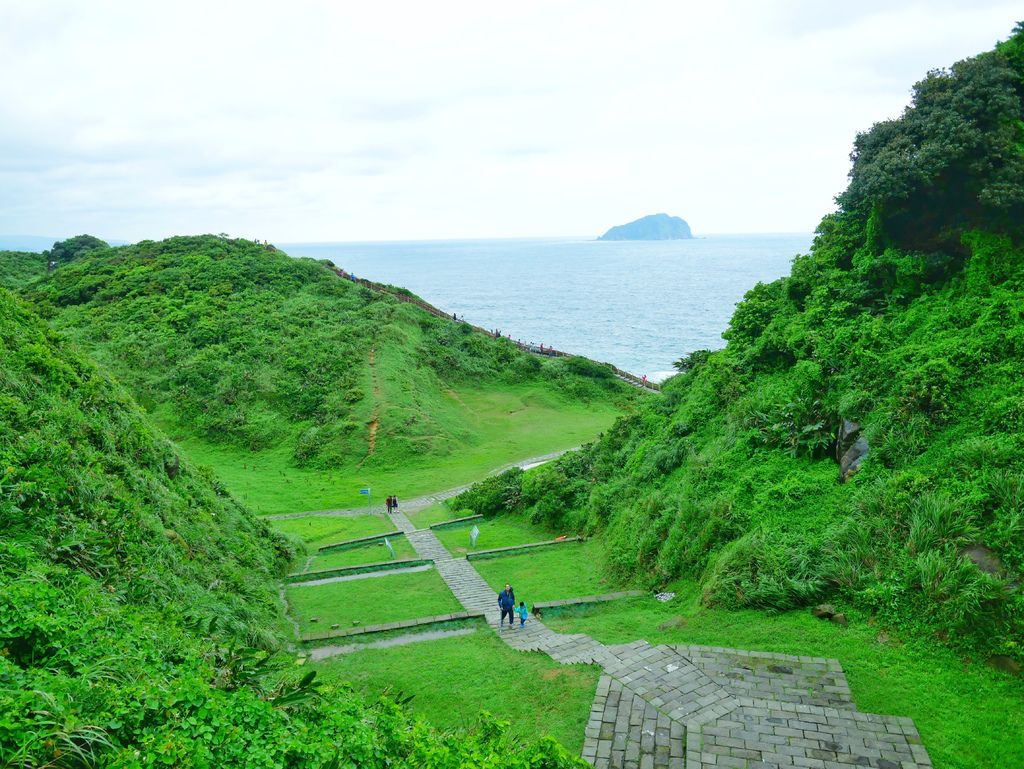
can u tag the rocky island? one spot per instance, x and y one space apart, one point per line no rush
653 227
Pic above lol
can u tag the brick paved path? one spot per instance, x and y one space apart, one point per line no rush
699 707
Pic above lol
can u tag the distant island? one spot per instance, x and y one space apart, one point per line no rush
653 227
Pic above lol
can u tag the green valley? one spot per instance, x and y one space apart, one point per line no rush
805 550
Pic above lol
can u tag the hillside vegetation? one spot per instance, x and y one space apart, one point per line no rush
281 374
138 607
19 268
860 436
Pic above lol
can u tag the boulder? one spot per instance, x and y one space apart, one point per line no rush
851 460
839 619
983 558
850 449
823 611
845 436
1004 663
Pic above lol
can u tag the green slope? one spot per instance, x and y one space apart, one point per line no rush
19 268
299 387
907 318
133 592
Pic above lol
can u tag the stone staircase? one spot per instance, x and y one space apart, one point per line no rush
697 707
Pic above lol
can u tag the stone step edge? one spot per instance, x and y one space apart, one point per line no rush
497 551
344 545
454 521
339 571
542 605
386 626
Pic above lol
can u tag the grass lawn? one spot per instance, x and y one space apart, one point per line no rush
453 679
499 424
371 601
356 556
424 518
548 574
501 531
318 530
969 716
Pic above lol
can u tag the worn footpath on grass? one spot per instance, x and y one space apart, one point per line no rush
416 504
699 707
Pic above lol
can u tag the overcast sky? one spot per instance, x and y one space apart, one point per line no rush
307 121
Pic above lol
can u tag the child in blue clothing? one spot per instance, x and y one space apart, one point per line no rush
523 613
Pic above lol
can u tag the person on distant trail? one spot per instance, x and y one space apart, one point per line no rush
390 505
507 604
394 504
523 613
644 380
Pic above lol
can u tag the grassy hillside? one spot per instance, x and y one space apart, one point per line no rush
900 335
300 387
138 603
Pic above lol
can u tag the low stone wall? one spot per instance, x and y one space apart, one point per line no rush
455 521
513 549
346 544
438 619
541 606
340 571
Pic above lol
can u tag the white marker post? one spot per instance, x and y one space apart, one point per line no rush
369 503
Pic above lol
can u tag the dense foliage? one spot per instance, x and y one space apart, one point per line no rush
242 344
19 268
138 611
904 329
64 251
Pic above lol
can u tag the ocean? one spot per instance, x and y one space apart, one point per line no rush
640 305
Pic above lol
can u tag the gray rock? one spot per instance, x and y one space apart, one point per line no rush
839 619
823 611
852 458
845 437
1005 663
983 558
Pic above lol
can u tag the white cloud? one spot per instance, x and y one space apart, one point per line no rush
344 120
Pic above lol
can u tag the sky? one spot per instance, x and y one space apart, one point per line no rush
319 120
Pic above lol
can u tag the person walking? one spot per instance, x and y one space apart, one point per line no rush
394 504
390 505
523 613
507 604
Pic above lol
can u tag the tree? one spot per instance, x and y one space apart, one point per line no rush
65 251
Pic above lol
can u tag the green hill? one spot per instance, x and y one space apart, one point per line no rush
138 603
300 387
19 268
860 437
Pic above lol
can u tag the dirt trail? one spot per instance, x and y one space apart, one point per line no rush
375 420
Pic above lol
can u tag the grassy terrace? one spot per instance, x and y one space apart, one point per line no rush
562 571
371 601
319 530
453 679
969 716
357 556
501 531
424 518
503 424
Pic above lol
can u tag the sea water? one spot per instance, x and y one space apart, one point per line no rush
640 305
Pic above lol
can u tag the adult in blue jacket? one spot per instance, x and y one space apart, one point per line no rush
507 604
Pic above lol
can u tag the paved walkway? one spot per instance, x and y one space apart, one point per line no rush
698 707
421 503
